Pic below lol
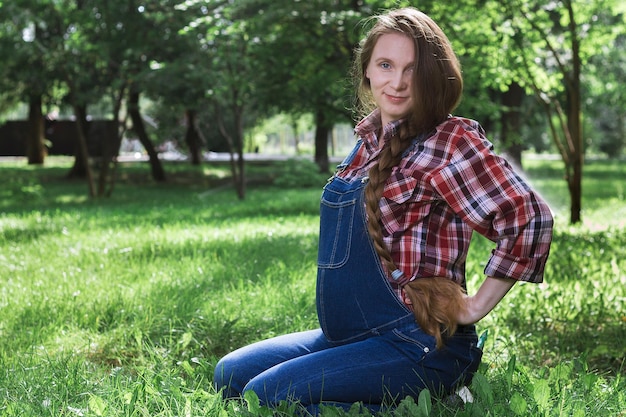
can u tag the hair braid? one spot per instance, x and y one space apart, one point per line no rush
378 175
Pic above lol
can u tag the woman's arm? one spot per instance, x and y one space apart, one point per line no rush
491 291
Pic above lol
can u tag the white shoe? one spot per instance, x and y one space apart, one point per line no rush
465 394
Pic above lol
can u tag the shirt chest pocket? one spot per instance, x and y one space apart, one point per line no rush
399 188
404 202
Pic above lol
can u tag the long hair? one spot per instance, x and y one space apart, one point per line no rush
437 82
437 88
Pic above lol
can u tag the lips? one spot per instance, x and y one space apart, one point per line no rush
395 99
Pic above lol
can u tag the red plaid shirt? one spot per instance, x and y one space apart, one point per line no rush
446 186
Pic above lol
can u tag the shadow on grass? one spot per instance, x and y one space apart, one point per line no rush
164 311
185 198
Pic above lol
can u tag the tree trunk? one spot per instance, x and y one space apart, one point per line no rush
111 149
192 139
81 155
112 141
81 141
158 174
296 133
241 163
574 122
235 147
577 159
35 148
511 123
321 141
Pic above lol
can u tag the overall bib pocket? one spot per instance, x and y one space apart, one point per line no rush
335 241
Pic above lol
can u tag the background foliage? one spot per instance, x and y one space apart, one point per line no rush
257 58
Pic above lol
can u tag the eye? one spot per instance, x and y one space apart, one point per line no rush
385 65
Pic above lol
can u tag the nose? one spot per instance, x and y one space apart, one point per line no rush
400 80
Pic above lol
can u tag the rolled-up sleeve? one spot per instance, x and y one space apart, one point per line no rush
484 190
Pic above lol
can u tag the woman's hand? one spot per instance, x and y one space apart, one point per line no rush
491 291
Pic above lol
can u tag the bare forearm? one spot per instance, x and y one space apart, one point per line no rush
491 291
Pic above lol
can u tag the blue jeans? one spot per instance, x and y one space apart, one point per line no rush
307 368
369 348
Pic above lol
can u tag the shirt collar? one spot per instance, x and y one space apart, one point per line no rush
368 129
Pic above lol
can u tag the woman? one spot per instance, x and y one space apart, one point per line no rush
396 223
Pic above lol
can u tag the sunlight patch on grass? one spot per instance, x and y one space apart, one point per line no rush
610 215
209 171
71 199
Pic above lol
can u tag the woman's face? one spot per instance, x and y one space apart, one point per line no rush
390 72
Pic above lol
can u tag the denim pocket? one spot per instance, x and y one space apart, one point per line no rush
335 238
424 342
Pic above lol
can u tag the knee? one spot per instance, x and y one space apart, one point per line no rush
224 378
269 393
231 378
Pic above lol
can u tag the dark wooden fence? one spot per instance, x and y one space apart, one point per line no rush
60 135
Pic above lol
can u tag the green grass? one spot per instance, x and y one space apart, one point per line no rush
122 306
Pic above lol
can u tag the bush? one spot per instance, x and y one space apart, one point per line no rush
300 173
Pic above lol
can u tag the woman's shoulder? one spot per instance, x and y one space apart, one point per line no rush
463 131
459 125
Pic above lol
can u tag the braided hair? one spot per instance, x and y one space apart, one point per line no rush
437 88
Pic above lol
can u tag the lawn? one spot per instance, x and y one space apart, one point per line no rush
121 306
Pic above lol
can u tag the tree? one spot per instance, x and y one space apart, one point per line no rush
305 56
554 41
229 44
27 39
77 63
179 80
231 95
250 59
492 92
158 173
607 91
118 39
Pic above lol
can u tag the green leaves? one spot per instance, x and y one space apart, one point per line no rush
518 404
97 405
420 407
541 394
482 388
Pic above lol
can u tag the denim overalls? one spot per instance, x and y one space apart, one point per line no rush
354 298
369 348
